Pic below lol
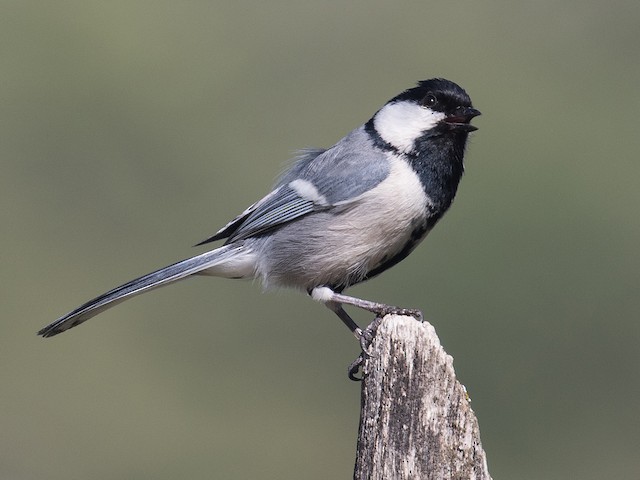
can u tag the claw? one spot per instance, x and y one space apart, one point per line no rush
366 338
354 367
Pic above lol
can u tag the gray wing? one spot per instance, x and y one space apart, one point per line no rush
234 224
275 198
316 182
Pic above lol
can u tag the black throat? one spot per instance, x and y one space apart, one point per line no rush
437 159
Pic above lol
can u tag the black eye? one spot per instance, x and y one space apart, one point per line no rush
430 100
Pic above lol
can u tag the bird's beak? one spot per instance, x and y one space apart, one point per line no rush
460 119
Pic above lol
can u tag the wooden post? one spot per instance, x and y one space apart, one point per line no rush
415 421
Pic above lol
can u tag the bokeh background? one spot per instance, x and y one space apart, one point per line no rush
130 130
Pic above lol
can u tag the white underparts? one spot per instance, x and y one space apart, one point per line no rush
371 227
240 264
322 294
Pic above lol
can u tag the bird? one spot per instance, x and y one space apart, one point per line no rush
338 216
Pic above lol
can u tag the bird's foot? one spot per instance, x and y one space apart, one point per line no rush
409 312
366 338
367 335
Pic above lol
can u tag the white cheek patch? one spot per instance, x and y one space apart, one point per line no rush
400 123
307 190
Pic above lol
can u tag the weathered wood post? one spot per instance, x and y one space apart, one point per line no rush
416 421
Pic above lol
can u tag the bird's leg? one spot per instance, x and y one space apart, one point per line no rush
334 302
326 295
346 319
364 337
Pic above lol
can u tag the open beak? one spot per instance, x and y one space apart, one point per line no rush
460 119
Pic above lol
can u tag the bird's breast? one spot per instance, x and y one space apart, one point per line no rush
341 246
384 220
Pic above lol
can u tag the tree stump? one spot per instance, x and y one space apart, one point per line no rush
416 421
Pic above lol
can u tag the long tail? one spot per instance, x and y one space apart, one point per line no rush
227 261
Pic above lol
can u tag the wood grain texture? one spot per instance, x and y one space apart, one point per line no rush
416 421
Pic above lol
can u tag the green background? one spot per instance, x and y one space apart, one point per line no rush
130 130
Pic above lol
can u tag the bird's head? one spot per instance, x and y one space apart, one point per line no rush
435 107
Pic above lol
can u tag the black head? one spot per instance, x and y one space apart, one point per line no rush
434 108
445 96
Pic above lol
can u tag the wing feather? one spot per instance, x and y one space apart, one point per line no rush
318 181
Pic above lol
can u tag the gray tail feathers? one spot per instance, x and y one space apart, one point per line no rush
159 278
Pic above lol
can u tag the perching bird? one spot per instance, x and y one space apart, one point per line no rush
338 216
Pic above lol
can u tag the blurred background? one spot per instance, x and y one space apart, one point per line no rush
130 130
